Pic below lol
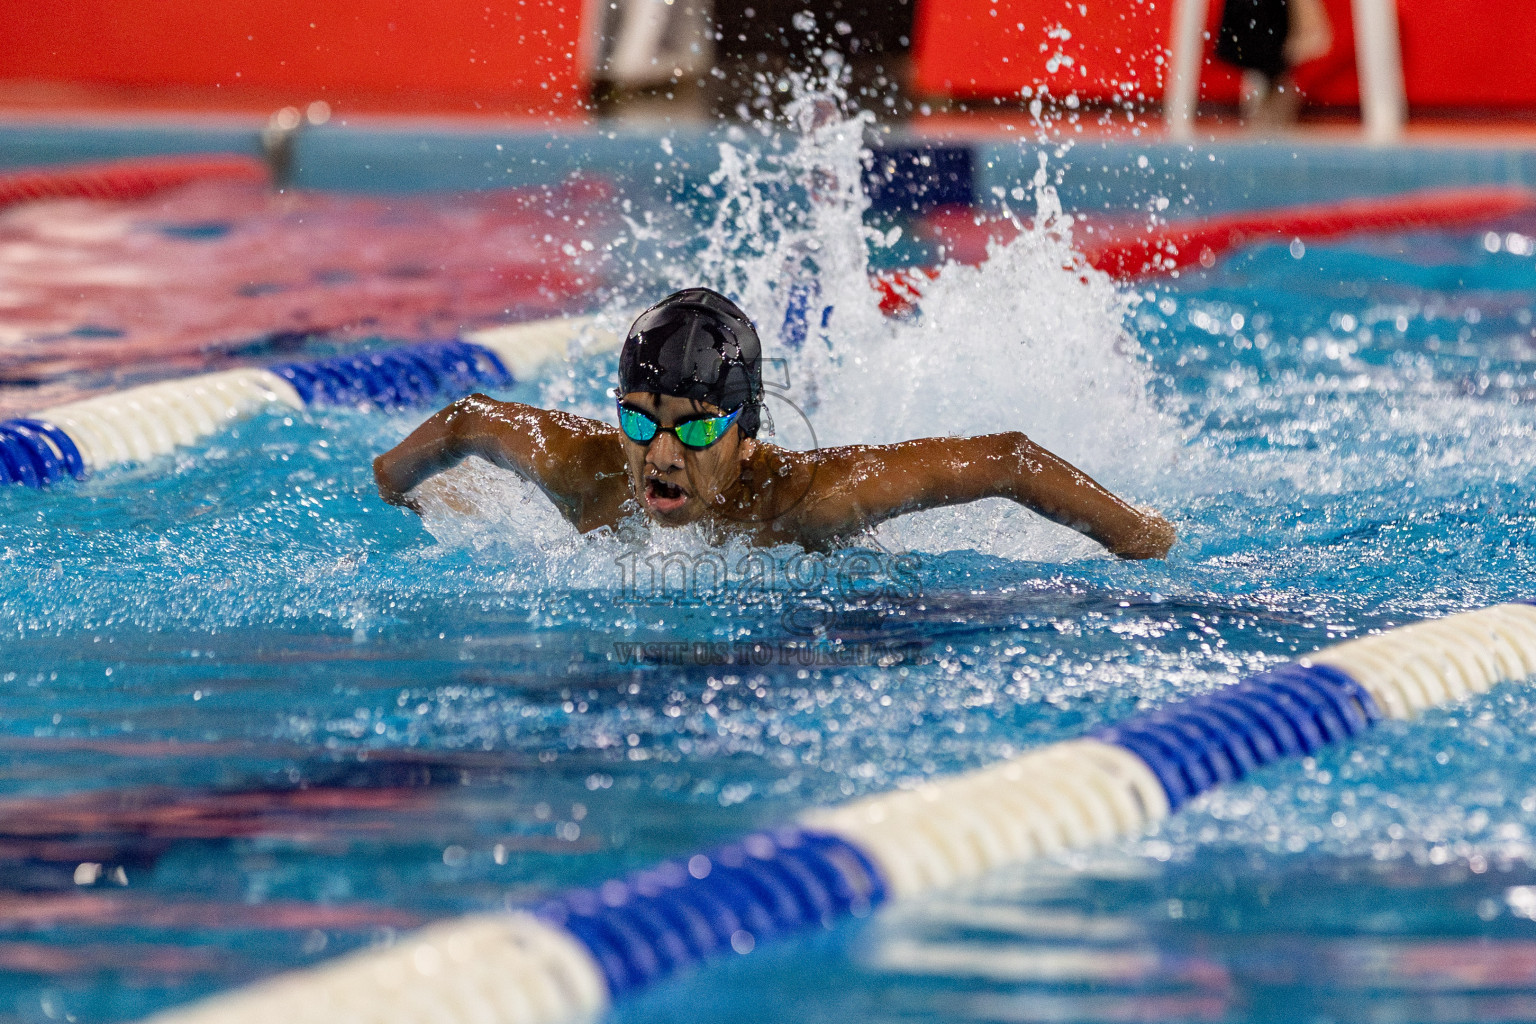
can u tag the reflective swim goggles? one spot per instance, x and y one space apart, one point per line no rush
696 432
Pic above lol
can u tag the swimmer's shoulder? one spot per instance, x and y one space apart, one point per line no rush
546 428
845 490
799 495
524 416
573 457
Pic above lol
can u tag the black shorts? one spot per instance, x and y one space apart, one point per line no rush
1252 35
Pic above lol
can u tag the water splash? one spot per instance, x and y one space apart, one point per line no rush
1030 340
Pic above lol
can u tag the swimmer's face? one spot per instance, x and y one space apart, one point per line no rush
675 484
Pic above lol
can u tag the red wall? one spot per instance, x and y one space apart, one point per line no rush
517 56
522 56
1455 53
1481 53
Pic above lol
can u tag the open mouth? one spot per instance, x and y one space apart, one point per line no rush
663 496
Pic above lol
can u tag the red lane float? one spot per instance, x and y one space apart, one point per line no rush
1173 246
1127 250
127 179
901 288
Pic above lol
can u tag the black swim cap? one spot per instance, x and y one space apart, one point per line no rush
697 344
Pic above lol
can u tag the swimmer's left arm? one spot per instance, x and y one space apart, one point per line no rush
877 483
571 459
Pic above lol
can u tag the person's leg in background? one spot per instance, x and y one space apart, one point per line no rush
1267 38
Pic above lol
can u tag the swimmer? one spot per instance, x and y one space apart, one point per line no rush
686 451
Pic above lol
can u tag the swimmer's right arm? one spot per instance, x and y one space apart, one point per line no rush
861 485
555 450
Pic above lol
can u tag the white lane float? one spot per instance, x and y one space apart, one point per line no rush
139 424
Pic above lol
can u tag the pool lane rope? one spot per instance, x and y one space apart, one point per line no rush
571 957
133 178
142 423
1131 252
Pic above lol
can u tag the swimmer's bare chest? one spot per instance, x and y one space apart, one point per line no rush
766 507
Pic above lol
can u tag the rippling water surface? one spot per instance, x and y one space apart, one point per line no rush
254 717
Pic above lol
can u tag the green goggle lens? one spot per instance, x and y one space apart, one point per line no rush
637 426
703 433
698 433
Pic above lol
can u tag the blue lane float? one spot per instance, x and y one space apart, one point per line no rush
657 922
569 957
1198 744
35 454
802 306
143 423
401 377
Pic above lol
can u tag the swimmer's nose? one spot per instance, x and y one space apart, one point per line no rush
665 452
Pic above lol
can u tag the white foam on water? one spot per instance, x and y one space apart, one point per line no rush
476 505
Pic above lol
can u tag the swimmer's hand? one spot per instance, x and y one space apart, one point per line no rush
387 488
1153 540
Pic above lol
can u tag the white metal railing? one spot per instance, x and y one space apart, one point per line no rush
1378 56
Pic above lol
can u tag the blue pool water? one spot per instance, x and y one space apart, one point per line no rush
256 718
